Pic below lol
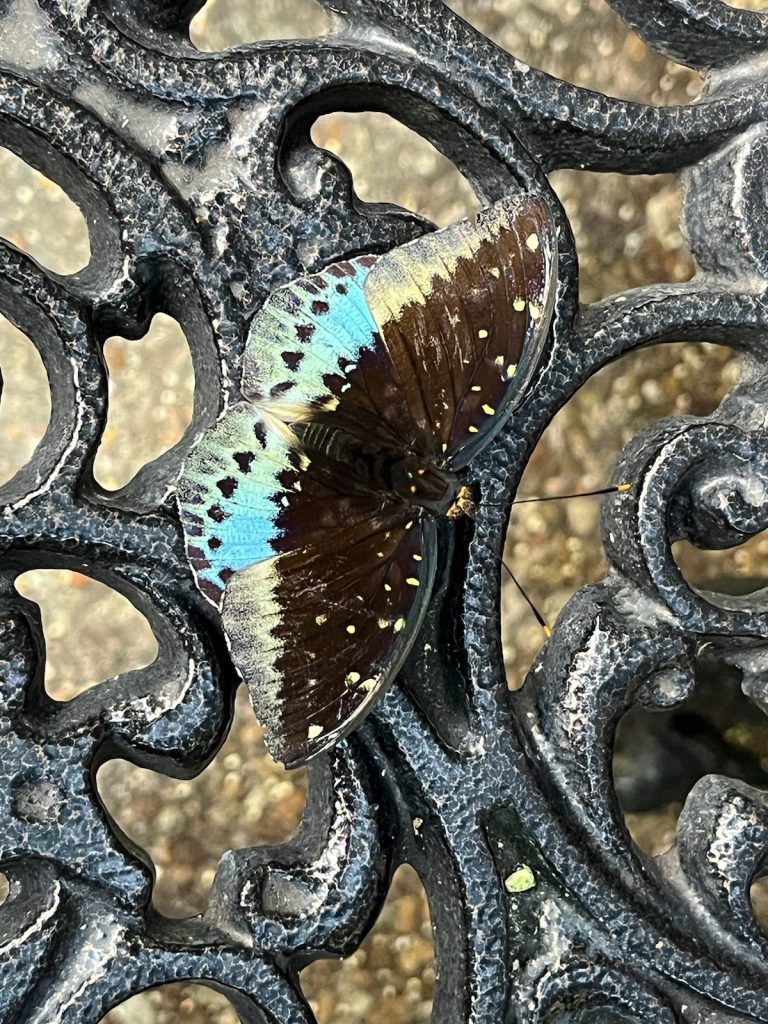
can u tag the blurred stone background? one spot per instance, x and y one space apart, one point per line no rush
628 235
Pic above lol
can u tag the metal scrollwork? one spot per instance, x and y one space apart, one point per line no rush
202 191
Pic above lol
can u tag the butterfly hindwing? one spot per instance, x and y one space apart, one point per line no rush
334 624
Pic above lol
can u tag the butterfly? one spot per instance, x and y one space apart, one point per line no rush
309 509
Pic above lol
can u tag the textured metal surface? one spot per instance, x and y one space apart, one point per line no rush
202 190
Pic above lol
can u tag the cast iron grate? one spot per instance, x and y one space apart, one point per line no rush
202 191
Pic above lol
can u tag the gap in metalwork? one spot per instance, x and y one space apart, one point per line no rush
661 753
151 394
390 978
25 399
583 42
91 632
222 24
169 1004
739 570
390 163
30 206
185 825
627 230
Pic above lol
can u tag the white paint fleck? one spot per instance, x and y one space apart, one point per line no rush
27 41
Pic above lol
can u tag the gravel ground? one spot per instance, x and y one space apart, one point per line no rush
244 798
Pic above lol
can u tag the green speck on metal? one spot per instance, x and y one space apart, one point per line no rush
521 880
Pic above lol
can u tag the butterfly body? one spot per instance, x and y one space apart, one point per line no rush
410 478
310 508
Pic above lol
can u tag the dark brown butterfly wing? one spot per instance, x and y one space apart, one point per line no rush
321 630
464 313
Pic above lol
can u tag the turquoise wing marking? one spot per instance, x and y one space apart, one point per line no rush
229 496
300 346
307 333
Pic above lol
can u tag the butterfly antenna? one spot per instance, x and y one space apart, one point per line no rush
539 617
618 489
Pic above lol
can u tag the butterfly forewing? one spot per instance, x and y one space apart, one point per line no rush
294 522
463 313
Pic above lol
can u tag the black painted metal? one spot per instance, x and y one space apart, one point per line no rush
202 191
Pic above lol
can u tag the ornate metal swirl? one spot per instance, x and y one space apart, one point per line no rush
202 191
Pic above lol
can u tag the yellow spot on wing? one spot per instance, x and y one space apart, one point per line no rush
476 387
534 310
314 731
519 305
532 242
368 684
399 625
321 619
353 677
473 430
482 334
488 410
511 370
412 581
417 558
383 623
350 629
